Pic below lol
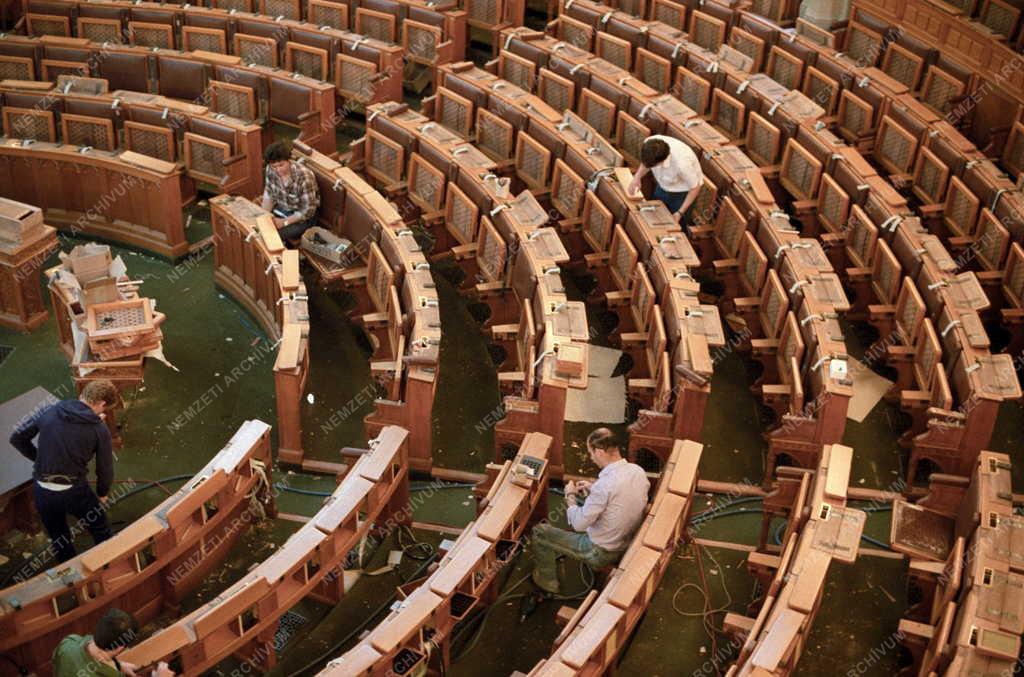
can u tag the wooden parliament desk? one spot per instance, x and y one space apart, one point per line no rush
124 197
25 243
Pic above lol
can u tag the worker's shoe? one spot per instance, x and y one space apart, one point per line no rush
530 602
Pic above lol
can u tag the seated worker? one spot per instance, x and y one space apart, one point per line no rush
603 522
290 192
677 174
96 654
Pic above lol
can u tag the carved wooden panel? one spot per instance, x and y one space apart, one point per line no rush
556 91
84 130
309 61
493 135
800 172
461 215
519 71
930 178
326 13
533 161
454 112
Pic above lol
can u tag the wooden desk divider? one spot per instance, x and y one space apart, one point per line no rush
242 620
418 630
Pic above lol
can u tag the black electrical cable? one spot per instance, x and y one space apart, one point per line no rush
325 655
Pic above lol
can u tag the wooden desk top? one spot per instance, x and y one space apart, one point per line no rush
586 640
413 615
686 454
463 560
632 576
495 519
778 641
343 503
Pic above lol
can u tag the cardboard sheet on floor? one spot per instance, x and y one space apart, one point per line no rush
603 360
868 389
14 412
602 401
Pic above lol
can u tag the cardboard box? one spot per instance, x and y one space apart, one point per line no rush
100 290
18 220
89 261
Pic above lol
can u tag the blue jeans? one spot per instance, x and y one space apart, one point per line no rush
80 501
672 200
549 542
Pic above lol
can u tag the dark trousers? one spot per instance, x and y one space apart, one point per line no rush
672 200
80 501
295 231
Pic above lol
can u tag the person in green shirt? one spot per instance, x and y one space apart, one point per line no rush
96 654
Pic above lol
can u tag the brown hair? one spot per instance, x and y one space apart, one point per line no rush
277 152
603 439
95 392
653 152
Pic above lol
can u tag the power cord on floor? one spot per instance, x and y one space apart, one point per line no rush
326 654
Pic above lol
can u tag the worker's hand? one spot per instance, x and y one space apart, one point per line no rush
570 488
278 222
679 217
162 670
634 188
129 668
582 485
103 500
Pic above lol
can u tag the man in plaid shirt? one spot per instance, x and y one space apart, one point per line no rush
291 193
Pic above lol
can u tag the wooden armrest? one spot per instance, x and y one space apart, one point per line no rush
352 276
302 117
511 376
386 365
859 274
774 392
931 210
464 251
701 232
487 289
617 298
924 567
881 311
596 260
746 302
572 225
922 631
914 399
900 353
735 624
764 560
833 239
375 319
939 412
633 338
1012 315
726 266
641 384
805 205
764 346
228 161
989 277
504 331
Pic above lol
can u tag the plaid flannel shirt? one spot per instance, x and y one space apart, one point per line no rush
297 195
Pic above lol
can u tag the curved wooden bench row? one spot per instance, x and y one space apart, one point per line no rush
966 570
638 253
397 302
253 267
820 530
504 249
737 199
124 197
364 66
223 84
418 630
552 154
242 620
981 46
152 563
595 636
431 33
825 184
212 148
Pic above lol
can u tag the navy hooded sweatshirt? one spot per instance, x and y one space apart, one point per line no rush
70 434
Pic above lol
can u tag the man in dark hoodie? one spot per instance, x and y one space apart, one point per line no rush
71 433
